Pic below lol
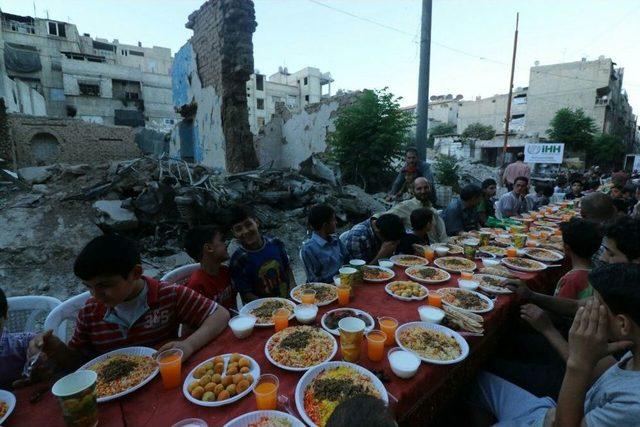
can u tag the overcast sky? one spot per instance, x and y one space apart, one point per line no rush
374 43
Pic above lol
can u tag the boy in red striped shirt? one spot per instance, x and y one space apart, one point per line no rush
128 309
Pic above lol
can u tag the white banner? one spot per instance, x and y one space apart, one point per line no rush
543 153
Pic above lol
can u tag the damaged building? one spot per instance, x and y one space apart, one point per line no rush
47 68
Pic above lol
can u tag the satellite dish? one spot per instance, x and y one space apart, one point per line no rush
459 97
449 96
433 97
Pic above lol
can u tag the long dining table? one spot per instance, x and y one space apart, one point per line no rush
415 401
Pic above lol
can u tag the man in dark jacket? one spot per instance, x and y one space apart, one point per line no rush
413 168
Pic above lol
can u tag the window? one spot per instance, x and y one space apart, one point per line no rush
259 82
131 95
260 103
306 98
89 89
520 99
276 99
260 121
306 81
57 29
136 53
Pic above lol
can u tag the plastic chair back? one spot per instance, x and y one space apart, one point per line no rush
28 313
180 275
62 319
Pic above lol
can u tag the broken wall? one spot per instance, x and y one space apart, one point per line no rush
43 141
201 135
223 54
288 139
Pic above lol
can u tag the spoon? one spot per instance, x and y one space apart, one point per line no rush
284 401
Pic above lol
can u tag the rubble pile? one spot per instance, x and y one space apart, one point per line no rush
475 173
51 212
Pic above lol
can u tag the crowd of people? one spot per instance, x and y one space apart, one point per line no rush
560 371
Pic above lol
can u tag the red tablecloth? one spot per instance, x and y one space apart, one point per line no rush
154 406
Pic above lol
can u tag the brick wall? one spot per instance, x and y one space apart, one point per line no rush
77 141
222 41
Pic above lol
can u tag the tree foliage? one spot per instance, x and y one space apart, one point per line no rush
370 135
447 171
479 131
573 127
606 150
439 130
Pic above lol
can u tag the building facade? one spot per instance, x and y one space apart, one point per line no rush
294 90
594 86
443 109
48 68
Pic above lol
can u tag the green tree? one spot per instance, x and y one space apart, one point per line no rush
573 127
606 150
447 171
439 130
369 137
479 131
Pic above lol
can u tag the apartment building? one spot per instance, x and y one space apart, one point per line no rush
48 68
294 90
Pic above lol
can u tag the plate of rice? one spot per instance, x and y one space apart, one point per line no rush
432 343
265 418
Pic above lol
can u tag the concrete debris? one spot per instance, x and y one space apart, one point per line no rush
315 169
35 174
475 173
112 215
153 200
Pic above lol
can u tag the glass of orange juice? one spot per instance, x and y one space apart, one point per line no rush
434 300
512 252
170 363
308 296
375 345
466 275
266 392
343 294
281 318
429 253
388 326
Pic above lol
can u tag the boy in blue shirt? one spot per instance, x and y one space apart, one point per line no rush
323 254
260 266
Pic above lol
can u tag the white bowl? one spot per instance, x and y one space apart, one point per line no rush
403 363
489 262
430 314
470 285
385 263
242 326
441 250
306 313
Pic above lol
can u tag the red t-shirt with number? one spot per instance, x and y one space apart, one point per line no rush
217 288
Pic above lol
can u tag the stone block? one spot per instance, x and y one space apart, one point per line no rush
35 174
112 214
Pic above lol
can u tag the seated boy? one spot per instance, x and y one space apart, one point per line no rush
542 196
323 254
461 214
421 226
13 348
486 208
260 266
374 238
213 280
129 309
576 190
597 390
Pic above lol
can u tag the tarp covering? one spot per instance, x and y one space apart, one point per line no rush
21 59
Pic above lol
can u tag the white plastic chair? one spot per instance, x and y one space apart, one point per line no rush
27 313
62 319
343 236
180 275
496 208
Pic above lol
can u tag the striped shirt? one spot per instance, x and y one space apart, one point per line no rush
168 306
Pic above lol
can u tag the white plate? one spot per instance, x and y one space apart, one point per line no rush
319 304
246 309
558 256
255 416
492 289
314 372
335 331
386 288
10 400
410 272
255 372
134 351
464 346
483 297
289 368
396 260
388 270
440 263
541 266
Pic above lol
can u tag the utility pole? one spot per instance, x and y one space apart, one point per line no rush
423 80
508 116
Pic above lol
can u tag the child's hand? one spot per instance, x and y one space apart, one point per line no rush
520 288
187 349
42 348
588 337
536 317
